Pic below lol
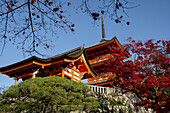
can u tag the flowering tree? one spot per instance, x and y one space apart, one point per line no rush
147 73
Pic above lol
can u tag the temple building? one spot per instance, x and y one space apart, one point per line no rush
77 64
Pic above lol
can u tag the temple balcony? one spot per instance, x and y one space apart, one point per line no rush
70 73
100 59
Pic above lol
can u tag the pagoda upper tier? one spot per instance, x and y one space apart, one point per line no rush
97 55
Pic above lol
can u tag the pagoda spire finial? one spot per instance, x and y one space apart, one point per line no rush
103 32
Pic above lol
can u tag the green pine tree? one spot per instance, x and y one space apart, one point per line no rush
48 94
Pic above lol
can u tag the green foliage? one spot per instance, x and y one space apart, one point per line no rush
12 92
90 103
117 103
4 107
48 94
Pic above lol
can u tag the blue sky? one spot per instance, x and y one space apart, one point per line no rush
151 20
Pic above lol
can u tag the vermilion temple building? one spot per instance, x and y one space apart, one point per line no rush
77 64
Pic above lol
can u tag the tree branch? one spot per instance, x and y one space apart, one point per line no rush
32 28
13 9
4 35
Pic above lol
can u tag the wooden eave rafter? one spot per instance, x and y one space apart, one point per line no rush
18 68
24 67
103 51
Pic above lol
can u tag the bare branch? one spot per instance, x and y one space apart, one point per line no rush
32 28
13 9
4 35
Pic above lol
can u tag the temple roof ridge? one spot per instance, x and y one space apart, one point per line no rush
74 53
79 49
102 42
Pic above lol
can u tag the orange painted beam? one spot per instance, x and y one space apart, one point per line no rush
52 72
101 78
63 73
25 75
42 64
17 68
57 74
71 60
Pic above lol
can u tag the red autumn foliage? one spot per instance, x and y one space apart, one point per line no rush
146 73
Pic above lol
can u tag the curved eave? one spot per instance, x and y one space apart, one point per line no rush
126 52
10 71
100 44
105 43
72 54
16 68
92 71
35 61
22 64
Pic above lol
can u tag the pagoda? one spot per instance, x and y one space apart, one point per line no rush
77 64
97 55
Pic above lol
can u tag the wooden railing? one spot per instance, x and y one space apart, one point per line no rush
96 60
71 75
67 73
100 78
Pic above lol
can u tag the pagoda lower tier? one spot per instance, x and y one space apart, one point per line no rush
73 65
103 80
